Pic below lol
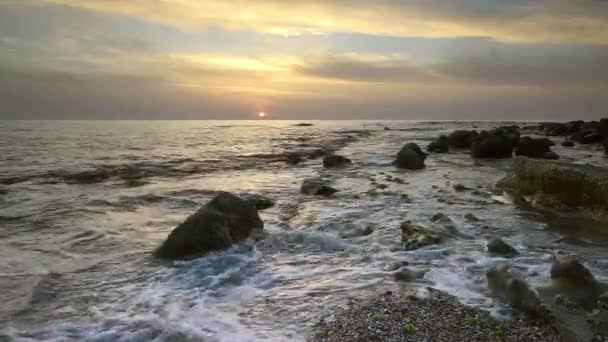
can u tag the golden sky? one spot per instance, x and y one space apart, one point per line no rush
420 59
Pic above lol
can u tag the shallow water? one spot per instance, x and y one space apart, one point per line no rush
82 204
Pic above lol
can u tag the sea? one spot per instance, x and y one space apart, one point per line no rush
84 203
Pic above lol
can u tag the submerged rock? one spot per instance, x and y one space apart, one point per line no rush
512 289
499 246
414 236
441 218
223 221
570 185
441 145
405 274
568 143
410 157
471 218
462 138
316 186
335 160
303 124
293 159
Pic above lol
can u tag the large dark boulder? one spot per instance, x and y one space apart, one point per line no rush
534 148
440 145
493 144
602 128
410 157
223 221
587 136
569 185
334 160
606 147
462 138
316 186
567 268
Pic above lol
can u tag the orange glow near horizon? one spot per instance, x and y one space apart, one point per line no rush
261 114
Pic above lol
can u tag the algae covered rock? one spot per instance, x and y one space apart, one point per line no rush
415 236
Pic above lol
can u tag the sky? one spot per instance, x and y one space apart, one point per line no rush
319 59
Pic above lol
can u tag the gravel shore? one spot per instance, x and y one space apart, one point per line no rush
441 318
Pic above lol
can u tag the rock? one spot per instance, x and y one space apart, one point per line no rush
494 144
260 202
606 147
440 145
410 157
441 218
568 143
386 128
567 268
318 153
471 218
293 159
498 246
462 138
588 136
572 185
335 160
303 124
512 289
550 155
414 236
223 221
534 148
460 187
316 186
407 275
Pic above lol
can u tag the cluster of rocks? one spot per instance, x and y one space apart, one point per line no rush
500 142
592 132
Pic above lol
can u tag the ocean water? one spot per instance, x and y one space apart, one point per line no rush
83 204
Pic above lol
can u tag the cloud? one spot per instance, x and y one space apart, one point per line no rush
583 21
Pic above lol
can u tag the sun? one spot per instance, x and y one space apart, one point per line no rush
261 114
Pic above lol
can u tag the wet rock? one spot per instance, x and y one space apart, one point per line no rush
334 160
303 124
512 289
441 218
500 247
410 157
493 144
316 186
471 218
606 147
460 187
415 236
405 274
534 148
223 221
568 143
566 268
293 159
551 156
588 136
440 145
462 138
571 185
260 202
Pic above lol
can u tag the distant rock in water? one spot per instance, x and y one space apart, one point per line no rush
440 145
563 184
410 157
568 143
498 143
334 160
535 148
414 236
316 186
499 247
303 124
293 159
462 138
223 221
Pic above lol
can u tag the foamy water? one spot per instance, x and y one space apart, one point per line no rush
82 204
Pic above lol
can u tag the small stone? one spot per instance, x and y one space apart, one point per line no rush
498 246
471 218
